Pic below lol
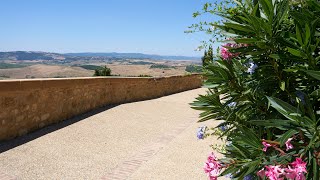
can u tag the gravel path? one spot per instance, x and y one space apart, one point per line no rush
154 139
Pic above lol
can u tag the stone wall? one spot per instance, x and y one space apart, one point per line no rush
27 105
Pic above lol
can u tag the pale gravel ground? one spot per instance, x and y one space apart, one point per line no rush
93 147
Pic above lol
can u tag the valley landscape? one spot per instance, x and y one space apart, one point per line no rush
29 65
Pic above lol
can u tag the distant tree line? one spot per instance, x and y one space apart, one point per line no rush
161 66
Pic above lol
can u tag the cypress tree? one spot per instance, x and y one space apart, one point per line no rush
210 55
204 58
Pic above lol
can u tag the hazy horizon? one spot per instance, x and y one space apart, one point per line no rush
199 56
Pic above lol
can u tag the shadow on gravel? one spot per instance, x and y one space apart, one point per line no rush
9 144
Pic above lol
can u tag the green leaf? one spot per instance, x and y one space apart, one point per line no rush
311 143
250 138
246 40
307 29
298 35
229 170
316 93
290 70
283 107
295 52
236 147
283 86
291 112
238 27
267 8
315 74
277 123
284 137
252 166
242 173
274 56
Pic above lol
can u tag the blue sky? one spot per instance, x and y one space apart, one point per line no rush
147 26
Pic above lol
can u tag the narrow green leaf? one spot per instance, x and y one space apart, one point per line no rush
282 106
235 146
250 138
238 27
252 166
298 35
277 123
274 56
229 170
265 7
294 52
283 86
284 137
315 93
246 40
290 70
307 30
315 74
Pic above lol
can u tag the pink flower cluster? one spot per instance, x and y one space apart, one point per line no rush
295 171
224 51
225 54
212 167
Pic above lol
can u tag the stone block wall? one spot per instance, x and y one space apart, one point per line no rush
27 105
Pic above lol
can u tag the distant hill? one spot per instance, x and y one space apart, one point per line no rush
133 56
30 55
34 55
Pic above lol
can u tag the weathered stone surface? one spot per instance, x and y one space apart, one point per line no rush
27 105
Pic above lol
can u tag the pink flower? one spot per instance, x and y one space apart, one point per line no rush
299 165
212 167
300 168
274 172
290 173
265 146
288 144
300 176
212 158
225 54
261 173
295 171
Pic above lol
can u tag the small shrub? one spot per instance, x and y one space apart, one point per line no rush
194 69
105 71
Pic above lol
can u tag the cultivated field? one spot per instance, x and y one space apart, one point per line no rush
60 69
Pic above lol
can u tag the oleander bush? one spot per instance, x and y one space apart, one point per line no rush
265 87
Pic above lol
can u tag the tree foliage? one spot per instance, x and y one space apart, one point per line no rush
276 100
208 57
104 71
